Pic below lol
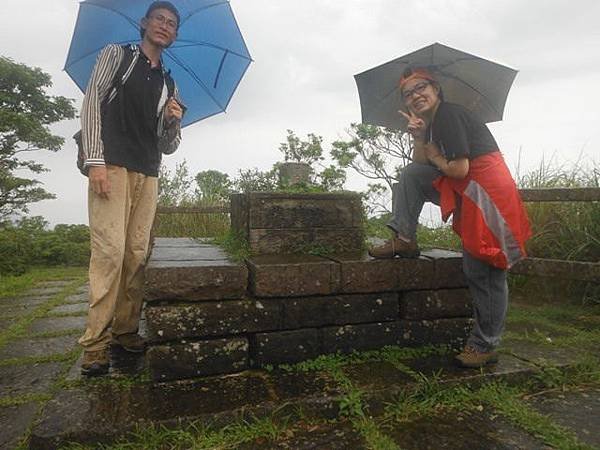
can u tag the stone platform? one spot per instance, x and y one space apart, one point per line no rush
207 315
277 222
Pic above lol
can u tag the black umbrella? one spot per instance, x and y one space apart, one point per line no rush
476 83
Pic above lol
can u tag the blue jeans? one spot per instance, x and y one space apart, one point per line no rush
487 284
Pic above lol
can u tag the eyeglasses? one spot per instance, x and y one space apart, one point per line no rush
418 89
170 23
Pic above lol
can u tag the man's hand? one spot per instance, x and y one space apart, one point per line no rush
98 177
173 111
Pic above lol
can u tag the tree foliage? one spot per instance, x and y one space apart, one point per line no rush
28 242
377 154
26 113
213 186
174 188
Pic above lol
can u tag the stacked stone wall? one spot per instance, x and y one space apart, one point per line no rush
206 315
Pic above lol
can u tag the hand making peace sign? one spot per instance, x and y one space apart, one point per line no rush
416 125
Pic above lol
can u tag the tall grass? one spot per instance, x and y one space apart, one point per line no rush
191 224
564 230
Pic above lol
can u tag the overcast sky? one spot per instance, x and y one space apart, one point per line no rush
305 55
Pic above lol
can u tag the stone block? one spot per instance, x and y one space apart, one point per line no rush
447 267
348 338
275 222
209 319
434 332
308 312
275 241
361 273
198 358
292 275
309 210
193 272
435 304
285 347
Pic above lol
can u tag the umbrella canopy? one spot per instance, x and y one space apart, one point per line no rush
478 84
207 61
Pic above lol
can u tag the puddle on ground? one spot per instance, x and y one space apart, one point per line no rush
461 431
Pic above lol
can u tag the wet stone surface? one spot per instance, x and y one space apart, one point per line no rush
435 304
74 309
314 437
25 301
38 347
448 271
578 411
460 430
198 358
49 324
292 275
81 297
543 354
204 319
46 291
99 413
20 307
338 310
29 378
14 421
285 347
508 367
172 275
377 375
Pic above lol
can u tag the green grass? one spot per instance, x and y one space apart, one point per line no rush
191 224
20 327
234 244
11 286
564 230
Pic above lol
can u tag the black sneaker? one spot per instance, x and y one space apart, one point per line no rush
131 342
95 363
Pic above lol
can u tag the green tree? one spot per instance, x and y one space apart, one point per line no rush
376 153
26 112
309 151
174 188
213 186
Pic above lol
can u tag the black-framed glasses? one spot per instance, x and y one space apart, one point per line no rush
418 89
169 23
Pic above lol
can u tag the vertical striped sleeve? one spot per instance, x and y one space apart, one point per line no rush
100 82
169 136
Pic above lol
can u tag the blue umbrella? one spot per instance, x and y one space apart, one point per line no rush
208 59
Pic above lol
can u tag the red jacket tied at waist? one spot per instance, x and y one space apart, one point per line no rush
488 213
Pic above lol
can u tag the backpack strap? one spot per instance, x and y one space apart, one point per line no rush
130 56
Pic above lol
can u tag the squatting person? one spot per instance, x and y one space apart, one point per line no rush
457 165
126 126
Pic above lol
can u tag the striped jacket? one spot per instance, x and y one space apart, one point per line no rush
97 91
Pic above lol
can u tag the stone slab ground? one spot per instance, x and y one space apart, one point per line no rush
44 400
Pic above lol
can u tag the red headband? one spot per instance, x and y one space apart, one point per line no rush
417 73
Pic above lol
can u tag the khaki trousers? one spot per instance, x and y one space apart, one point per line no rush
120 234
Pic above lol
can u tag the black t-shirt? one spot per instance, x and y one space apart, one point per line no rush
459 134
135 146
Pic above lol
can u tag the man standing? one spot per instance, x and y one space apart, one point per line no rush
126 126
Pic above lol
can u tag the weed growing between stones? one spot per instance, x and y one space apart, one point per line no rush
234 244
19 329
197 436
12 286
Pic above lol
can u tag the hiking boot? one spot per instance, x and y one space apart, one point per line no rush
131 342
474 359
396 247
95 363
